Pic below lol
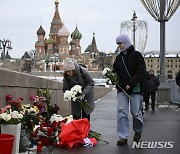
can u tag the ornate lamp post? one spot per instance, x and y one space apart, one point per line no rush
137 31
5 46
162 11
134 28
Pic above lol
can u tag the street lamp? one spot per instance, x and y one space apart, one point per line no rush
34 56
5 46
162 11
137 31
134 28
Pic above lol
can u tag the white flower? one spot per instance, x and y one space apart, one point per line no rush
56 117
7 117
14 114
105 71
2 115
69 119
77 89
74 94
68 95
19 116
74 98
32 110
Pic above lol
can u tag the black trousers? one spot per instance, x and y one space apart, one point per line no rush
147 96
82 115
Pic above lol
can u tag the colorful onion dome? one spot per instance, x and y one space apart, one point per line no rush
76 34
50 40
73 42
41 31
63 31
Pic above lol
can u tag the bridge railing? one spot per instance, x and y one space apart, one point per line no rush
24 85
174 91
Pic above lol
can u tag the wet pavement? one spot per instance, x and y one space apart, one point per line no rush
161 133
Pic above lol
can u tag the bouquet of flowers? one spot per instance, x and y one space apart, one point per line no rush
113 77
31 118
42 101
16 105
76 94
9 116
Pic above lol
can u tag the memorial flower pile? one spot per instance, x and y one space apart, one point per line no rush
76 94
47 134
43 130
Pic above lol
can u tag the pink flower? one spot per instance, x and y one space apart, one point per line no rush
5 108
9 97
20 99
32 98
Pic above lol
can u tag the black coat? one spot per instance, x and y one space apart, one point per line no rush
153 84
178 79
135 64
83 78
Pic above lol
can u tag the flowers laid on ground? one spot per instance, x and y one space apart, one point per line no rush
76 94
113 77
47 134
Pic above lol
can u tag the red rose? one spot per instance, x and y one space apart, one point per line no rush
8 97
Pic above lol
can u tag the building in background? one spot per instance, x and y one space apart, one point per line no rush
172 61
50 53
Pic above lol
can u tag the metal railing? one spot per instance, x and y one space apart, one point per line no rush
174 92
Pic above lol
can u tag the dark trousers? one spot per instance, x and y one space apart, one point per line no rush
82 115
147 96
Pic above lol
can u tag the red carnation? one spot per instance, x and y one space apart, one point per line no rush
8 97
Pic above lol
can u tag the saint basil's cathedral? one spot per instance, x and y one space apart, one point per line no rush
50 53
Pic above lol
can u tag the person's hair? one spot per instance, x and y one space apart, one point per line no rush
65 75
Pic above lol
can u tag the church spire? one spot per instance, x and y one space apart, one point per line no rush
94 41
56 21
56 14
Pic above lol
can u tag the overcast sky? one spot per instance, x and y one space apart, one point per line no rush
20 20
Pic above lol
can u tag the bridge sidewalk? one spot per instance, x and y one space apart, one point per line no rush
161 125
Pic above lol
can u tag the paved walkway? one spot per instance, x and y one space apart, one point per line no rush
161 126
